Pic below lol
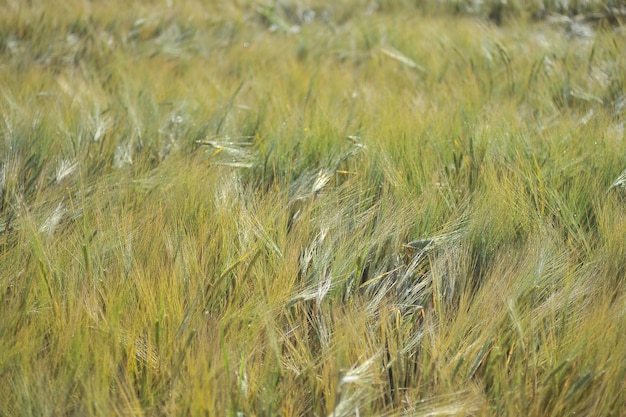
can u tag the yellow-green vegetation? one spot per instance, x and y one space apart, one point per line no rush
312 208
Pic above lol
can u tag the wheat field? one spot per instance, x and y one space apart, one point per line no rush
292 208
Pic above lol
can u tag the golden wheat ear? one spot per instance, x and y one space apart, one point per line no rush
620 181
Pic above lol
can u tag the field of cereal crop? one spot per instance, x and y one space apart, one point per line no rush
306 208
